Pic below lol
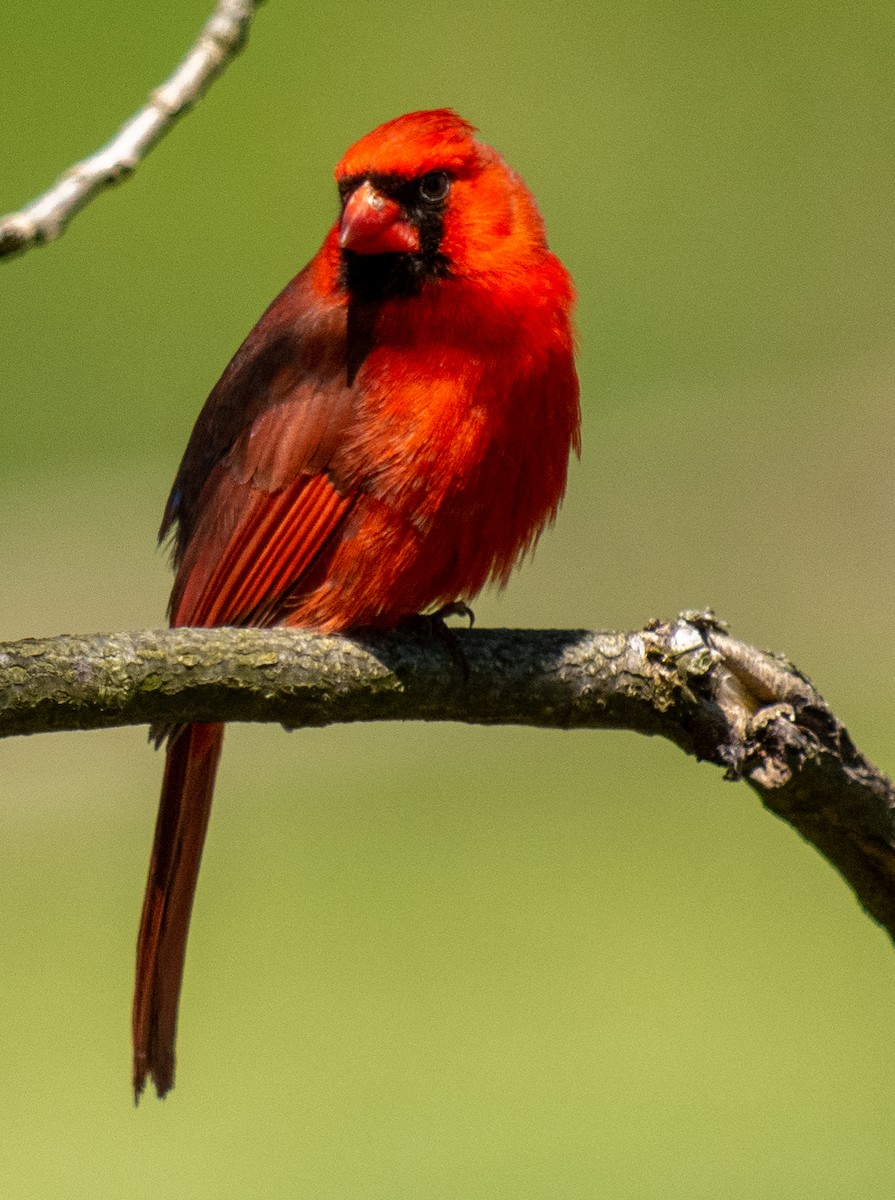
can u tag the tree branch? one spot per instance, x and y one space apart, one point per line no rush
44 219
687 680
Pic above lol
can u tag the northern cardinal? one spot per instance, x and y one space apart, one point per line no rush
393 434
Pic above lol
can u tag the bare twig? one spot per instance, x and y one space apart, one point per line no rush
687 680
45 218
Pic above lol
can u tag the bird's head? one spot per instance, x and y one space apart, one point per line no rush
423 199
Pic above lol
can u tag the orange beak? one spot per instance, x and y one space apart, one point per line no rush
374 224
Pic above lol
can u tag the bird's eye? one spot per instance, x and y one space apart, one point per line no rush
434 186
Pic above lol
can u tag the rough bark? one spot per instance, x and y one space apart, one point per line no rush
750 712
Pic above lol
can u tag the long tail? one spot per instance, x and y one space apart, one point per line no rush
188 786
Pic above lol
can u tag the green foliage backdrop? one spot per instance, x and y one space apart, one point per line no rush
440 962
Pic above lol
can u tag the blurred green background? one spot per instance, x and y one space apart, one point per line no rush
448 962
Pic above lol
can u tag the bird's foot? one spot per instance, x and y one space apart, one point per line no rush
457 608
433 625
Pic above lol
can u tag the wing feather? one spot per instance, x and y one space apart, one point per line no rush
272 547
257 499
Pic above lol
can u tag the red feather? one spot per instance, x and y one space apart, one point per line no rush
393 434
192 761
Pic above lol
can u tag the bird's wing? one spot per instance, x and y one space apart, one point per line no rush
255 502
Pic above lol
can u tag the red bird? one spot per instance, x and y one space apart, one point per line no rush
392 435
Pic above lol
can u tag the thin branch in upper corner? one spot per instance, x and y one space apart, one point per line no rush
45 218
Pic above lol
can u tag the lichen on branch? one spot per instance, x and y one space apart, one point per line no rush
688 680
